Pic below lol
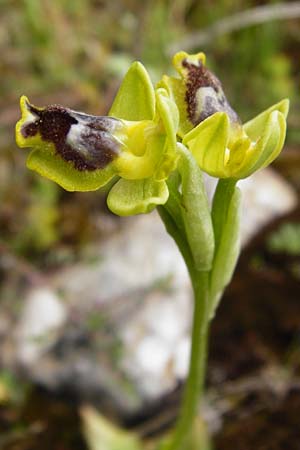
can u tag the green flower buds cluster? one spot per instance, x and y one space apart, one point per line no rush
137 143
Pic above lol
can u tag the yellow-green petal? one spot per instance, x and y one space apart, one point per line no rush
208 143
168 114
129 197
255 127
278 137
176 90
135 167
268 146
135 99
236 155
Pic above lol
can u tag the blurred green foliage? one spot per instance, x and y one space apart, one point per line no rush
12 390
75 53
286 239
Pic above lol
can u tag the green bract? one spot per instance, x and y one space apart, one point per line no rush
82 152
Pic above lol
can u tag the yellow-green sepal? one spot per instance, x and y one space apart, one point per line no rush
135 99
129 197
256 126
208 142
52 166
268 145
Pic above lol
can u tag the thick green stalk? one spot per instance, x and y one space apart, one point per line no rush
195 381
194 384
183 216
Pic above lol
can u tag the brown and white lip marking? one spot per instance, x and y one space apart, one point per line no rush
83 140
204 94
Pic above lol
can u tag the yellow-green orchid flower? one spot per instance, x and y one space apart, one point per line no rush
136 142
227 151
197 93
211 129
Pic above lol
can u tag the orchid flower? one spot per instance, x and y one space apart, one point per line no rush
81 152
212 130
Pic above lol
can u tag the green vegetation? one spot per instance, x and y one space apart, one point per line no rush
286 239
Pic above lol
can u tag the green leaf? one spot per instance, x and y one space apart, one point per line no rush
208 143
101 434
129 197
195 211
226 220
135 99
63 173
255 127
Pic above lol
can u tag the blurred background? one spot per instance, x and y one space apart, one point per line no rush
81 291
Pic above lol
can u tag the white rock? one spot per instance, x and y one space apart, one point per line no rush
152 361
266 195
42 314
182 357
164 317
152 355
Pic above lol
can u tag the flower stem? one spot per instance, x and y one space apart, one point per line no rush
195 381
194 384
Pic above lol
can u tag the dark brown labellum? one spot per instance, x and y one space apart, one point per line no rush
84 140
213 100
